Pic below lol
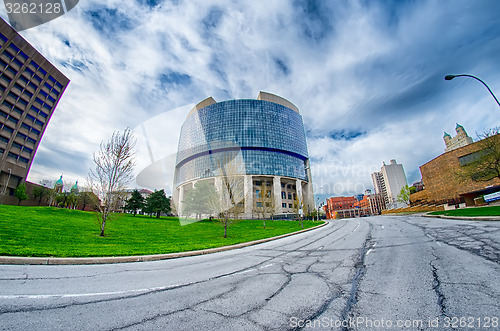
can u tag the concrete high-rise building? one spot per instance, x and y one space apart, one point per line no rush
30 89
389 182
260 141
460 140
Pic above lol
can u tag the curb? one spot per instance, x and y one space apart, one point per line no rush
465 218
17 260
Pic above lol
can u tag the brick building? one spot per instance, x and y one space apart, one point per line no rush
341 206
441 180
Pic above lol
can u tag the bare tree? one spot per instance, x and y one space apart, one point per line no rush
483 165
114 164
298 209
229 203
265 206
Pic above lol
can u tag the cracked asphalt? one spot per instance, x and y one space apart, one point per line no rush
356 274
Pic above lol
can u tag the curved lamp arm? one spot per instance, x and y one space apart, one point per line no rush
450 77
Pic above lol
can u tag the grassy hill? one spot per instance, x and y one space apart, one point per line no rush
50 231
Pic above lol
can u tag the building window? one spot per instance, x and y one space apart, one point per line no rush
259 204
283 195
257 193
289 196
283 205
289 205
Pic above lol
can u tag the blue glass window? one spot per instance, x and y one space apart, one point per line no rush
23 55
11 70
19 111
7 54
14 48
21 135
8 129
5 79
34 64
28 93
19 63
13 96
29 71
7 104
4 139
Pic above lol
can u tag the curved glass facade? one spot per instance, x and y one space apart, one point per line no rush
268 137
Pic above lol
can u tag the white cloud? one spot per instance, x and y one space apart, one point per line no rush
372 68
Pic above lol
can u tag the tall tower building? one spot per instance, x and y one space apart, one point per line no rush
30 88
460 140
388 182
260 141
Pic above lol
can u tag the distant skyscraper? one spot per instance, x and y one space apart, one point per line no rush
389 182
30 88
460 140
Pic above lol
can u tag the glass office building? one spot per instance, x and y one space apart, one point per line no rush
264 138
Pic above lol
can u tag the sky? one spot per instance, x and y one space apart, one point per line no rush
367 77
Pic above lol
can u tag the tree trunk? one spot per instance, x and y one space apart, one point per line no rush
264 224
103 225
302 223
158 214
225 230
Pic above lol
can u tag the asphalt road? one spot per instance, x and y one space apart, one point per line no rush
399 273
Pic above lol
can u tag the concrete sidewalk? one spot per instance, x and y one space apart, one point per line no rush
139 258
465 218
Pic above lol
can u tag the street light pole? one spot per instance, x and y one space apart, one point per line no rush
450 77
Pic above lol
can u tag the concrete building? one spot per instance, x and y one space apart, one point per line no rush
460 140
372 204
30 88
389 182
261 142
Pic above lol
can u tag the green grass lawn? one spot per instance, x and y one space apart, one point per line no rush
49 231
479 211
